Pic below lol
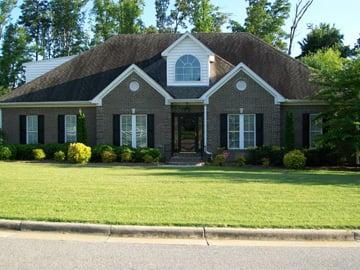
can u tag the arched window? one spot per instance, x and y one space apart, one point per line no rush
187 69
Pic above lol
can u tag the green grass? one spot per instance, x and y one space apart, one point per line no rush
180 196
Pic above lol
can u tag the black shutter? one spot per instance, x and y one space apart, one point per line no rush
259 129
61 128
306 130
150 131
116 129
223 131
41 139
23 129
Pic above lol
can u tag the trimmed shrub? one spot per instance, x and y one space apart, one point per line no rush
219 159
97 151
255 156
148 159
39 154
154 153
108 156
52 148
81 128
295 160
265 162
241 161
25 151
79 153
59 156
5 153
126 156
322 157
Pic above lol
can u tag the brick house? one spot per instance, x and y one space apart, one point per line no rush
179 93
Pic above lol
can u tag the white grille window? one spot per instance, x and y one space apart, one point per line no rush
133 130
32 130
187 69
70 128
315 129
241 131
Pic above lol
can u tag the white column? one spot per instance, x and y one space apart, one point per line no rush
205 127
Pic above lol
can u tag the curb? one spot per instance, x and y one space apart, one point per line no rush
183 232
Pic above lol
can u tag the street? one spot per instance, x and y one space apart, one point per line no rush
31 250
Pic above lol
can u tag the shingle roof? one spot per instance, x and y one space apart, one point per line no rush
83 77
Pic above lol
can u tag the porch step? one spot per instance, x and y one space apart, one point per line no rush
186 159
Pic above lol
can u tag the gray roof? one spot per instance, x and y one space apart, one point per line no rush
83 77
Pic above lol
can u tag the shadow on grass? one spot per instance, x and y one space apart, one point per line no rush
232 174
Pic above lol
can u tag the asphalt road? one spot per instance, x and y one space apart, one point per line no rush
21 250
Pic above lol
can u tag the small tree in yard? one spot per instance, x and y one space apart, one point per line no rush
81 128
289 132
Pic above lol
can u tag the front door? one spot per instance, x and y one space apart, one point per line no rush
187 133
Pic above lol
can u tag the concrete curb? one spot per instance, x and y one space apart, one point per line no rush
184 232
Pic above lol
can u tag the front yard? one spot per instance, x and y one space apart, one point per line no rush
180 196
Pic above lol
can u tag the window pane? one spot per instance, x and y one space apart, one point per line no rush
187 68
249 122
70 128
315 128
32 129
234 124
126 132
249 139
141 131
234 140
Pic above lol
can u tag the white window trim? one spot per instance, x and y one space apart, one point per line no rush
310 128
27 128
65 132
241 131
133 129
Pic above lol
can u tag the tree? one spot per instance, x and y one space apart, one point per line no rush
6 6
68 36
129 12
162 19
338 80
300 10
206 17
105 24
289 132
36 20
323 37
265 20
81 128
14 54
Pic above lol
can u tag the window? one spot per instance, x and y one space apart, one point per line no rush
315 128
241 131
32 129
70 128
187 69
133 130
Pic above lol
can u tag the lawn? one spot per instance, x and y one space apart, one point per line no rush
209 196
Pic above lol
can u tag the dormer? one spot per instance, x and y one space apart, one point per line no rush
188 62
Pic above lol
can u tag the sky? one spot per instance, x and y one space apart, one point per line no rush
345 14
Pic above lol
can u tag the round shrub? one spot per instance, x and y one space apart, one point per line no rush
220 160
148 158
97 150
59 156
39 154
126 156
79 153
265 162
240 161
295 160
5 153
108 156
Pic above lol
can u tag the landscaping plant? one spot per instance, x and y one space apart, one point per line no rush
295 160
108 156
79 153
81 128
5 153
59 156
39 154
240 161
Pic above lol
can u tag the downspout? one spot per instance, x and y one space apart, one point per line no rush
209 154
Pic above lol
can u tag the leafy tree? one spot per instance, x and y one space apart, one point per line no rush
6 6
105 24
289 132
151 30
14 54
162 19
36 20
206 17
4 90
323 37
179 15
81 128
265 20
68 35
129 12
338 80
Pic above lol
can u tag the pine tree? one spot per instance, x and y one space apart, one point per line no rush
162 19
6 6
206 17
81 128
68 36
36 20
128 19
105 24
14 54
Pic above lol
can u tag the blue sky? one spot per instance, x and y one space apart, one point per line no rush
344 14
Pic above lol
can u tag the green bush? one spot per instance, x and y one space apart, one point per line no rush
51 148
79 153
5 153
148 159
265 162
322 157
25 151
97 150
289 132
219 159
81 131
295 160
154 153
59 156
108 156
126 156
39 154
241 161
2 136
255 156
